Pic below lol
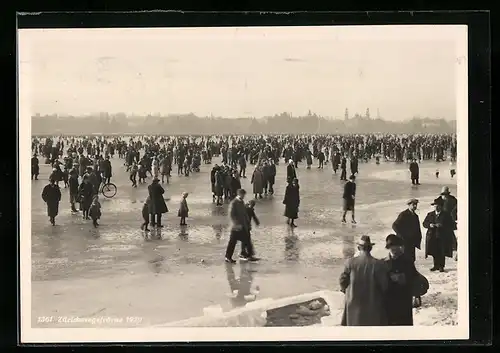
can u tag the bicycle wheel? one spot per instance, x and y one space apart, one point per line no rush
109 190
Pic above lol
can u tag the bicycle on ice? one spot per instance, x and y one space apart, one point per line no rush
108 190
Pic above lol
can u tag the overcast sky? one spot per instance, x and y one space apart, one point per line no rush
234 72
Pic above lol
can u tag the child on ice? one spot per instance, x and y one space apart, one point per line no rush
452 170
183 209
95 210
145 215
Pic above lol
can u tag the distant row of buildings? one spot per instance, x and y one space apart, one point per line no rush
191 124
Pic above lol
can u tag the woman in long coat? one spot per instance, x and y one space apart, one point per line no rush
258 182
51 194
157 206
292 202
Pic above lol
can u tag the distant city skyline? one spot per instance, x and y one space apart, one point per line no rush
240 72
126 115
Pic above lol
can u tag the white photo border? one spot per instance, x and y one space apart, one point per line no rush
456 33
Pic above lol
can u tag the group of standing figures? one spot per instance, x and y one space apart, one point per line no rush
85 194
383 292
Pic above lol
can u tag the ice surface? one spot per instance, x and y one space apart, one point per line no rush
174 273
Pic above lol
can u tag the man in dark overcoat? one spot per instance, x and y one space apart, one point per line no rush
414 172
239 227
157 206
354 163
51 195
35 167
343 168
364 282
107 170
349 197
265 176
336 162
73 189
450 205
440 238
402 274
407 226
243 165
272 176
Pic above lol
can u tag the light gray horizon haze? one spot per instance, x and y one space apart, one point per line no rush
401 71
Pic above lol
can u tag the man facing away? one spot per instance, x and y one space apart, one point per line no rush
364 281
414 172
450 202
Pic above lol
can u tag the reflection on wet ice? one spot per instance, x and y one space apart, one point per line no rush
348 248
155 233
219 211
183 235
291 246
241 288
218 229
157 264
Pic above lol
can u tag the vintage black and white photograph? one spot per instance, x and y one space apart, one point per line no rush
186 183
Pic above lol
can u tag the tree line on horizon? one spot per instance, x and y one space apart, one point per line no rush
188 124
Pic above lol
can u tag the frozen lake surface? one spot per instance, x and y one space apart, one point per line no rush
115 272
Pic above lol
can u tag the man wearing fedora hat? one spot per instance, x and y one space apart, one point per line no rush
407 226
364 282
440 238
450 206
402 274
450 202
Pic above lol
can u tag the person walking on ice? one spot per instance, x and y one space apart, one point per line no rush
145 214
183 209
95 211
349 198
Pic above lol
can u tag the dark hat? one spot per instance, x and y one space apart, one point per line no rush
365 241
439 201
393 240
412 201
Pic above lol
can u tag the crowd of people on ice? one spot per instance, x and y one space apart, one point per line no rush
368 282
